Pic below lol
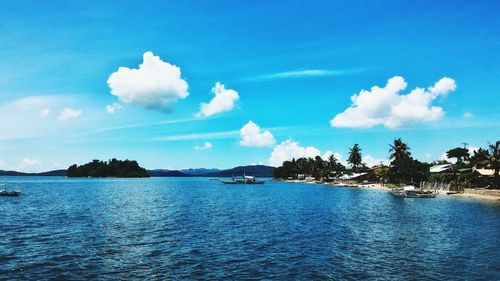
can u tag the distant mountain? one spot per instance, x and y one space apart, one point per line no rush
54 173
61 173
167 173
251 170
199 171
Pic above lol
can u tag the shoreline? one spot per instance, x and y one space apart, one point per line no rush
479 194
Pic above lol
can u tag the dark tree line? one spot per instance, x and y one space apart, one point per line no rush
316 167
403 168
111 168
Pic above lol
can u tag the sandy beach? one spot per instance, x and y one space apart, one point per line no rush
490 195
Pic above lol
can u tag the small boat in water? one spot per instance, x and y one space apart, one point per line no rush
410 191
243 180
11 193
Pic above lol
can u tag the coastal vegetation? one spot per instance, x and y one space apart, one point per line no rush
481 169
112 168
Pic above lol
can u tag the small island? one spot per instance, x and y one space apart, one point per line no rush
108 169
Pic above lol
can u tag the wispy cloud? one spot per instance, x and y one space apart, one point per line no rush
211 135
138 125
303 73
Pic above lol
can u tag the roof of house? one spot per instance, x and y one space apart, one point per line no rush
352 176
485 172
440 168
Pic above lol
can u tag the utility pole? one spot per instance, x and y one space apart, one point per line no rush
465 145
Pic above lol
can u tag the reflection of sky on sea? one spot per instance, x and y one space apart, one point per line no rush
200 229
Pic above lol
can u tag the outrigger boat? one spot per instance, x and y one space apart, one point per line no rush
243 180
11 193
409 191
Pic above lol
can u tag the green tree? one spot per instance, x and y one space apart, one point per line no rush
335 168
401 161
355 159
481 157
459 153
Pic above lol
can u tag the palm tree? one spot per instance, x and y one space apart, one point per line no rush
401 160
355 159
399 151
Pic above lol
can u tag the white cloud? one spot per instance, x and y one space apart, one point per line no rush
18 116
253 137
44 112
337 156
443 86
371 161
387 107
69 113
467 115
112 108
27 162
155 84
211 135
223 101
205 146
304 73
290 149
2 165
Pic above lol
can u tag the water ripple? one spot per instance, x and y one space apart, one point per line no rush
196 229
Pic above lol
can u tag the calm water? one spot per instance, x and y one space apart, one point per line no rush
159 229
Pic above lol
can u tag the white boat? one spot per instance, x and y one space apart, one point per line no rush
410 191
10 193
243 180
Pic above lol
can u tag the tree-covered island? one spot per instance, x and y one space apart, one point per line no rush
112 168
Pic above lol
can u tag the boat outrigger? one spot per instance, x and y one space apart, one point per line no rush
5 192
243 180
410 191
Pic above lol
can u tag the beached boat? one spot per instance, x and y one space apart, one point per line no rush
243 180
11 193
410 191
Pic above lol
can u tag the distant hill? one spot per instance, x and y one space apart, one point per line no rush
199 171
251 170
167 173
61 173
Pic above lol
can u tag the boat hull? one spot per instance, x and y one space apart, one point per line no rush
241 182
413 194
10 193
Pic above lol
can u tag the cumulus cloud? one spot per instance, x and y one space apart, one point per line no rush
69 113
289 149
253 137
44 112
223 101
205 146
112 108
337 156
371 161
155 84
388 107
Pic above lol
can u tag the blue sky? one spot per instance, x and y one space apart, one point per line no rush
290 69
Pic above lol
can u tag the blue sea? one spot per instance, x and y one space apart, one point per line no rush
199 229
